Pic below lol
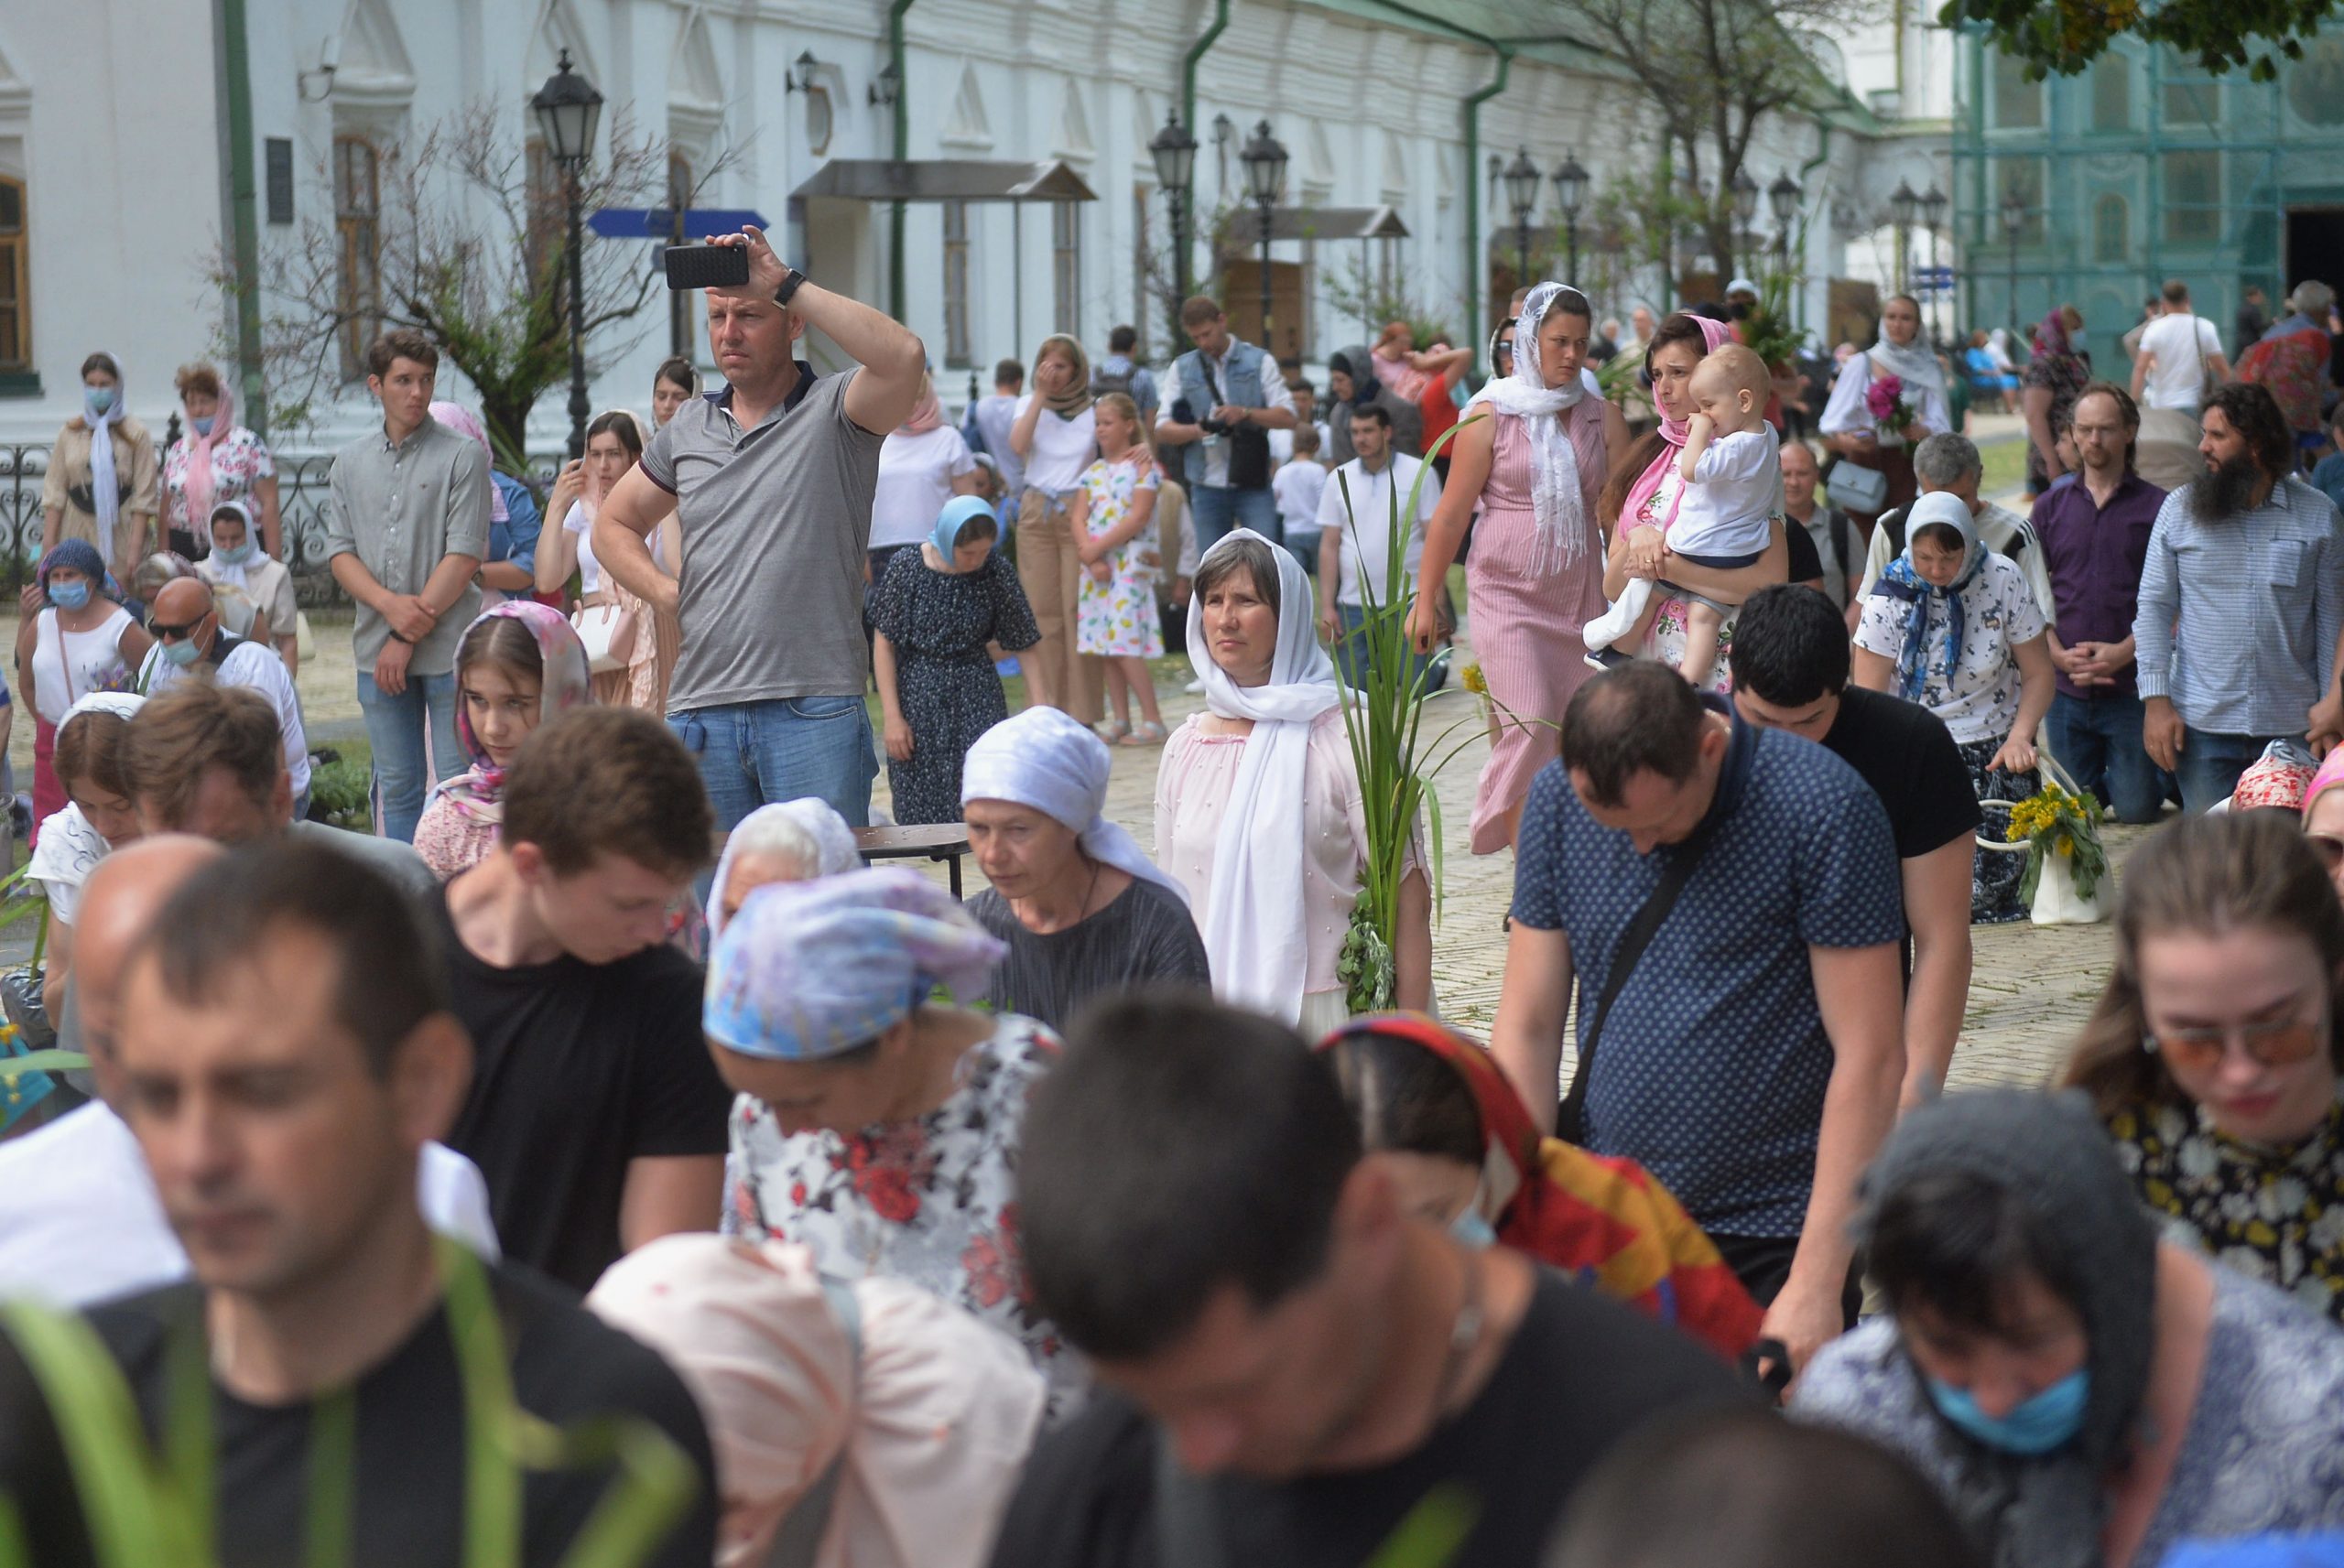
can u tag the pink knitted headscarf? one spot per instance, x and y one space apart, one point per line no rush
1672 431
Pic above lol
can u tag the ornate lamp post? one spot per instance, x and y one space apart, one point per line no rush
568 109
1175 152
1744 191
2014 219
1264 160
1521 178
1901 207
1571 194
1784 197
1932 209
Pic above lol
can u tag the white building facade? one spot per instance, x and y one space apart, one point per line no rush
115 161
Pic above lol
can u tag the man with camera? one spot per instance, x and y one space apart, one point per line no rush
772 480
1243 398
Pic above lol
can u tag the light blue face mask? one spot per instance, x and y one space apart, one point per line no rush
2037 1425
203 425
182 653
1471 1229
242 555
97 400
69 595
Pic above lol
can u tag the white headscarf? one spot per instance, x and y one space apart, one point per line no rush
787 825
1555 499
1914 363
1254 931
105 486
1050 760
225 572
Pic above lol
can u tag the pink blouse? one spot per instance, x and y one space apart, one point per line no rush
1195 783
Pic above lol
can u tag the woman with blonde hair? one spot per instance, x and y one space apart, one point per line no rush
1056 437
1113 516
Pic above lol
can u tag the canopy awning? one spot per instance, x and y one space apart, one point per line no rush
1318 224
946 179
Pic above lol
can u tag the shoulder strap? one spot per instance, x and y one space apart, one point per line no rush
1840 537
1570 1119
798 1538
1893 521
1187 1534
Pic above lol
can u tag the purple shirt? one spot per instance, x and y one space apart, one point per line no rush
2094 555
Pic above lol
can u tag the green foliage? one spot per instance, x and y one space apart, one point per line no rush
1370 300
2065 36
1768 331
343 789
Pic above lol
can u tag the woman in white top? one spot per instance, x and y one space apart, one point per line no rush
71 640
1258 814
97 821
614 445
1850 427
1055 439
923 463
254 592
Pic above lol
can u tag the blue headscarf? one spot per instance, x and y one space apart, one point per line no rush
1903 581
957 514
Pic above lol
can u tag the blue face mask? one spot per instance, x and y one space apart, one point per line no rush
69 595
97 400
2037 1425
240 556
1471 1229
203 425
182 653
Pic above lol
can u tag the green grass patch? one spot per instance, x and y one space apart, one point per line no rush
2005 468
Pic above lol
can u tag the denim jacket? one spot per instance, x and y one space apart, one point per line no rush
1241 388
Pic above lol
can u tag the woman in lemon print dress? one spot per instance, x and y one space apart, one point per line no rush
1114 517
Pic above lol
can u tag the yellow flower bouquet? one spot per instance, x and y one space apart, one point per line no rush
2061 821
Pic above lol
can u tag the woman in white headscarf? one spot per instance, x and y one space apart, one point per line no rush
1533 467
869 1425
1879 432
1258 815
1083 909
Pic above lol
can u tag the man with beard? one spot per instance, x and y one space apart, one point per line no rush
2242 604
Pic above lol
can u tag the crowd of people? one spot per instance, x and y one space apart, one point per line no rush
1083 1222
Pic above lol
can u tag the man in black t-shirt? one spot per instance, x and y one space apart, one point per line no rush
284 1049
595 1113
1790 664
1291 1368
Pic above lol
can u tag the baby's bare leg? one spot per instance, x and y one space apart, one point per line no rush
1703 623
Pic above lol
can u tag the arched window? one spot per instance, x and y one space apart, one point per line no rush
357 223
2111 238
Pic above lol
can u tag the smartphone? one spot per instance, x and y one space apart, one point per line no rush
706 266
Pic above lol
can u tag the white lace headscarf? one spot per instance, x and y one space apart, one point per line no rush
1554 498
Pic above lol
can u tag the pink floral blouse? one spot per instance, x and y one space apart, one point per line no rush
240 460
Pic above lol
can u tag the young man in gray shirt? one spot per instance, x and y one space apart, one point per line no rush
405 529
771 478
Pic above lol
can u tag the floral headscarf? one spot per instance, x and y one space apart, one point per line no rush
464 422
1066 405
1904 580
566 682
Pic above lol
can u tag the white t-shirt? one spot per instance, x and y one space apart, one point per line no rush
254 665
2177 378
996 413
1062 450
1297 486
70 666
589 571
1729 508
1368 557
916 475
81 1223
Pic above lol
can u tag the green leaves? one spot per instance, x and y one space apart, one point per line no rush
2065 35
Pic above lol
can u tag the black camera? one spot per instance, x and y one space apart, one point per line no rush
1184 413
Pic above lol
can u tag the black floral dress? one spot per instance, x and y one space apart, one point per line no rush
940 624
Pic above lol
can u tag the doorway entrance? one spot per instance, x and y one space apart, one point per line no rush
2315 239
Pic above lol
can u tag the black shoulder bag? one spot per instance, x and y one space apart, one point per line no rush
1249 444
1570 1117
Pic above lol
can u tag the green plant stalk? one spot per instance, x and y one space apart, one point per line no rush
1430 1534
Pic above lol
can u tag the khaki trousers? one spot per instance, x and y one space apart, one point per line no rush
1049 570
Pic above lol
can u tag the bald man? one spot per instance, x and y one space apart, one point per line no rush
80 1221
189 639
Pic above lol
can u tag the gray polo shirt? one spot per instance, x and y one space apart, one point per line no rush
775 520
400 510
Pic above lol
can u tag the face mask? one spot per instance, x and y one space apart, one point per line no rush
97 400
1471 1229
203 426
69 595
1739 310
241 555
182 653
2037 1425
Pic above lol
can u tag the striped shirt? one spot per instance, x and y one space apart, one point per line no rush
2239 619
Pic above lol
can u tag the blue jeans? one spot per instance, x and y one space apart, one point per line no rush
756 753
2099 742
2211 764
1303 544
1218 509
396 728
1350 652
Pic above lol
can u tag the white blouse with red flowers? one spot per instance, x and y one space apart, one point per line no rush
933 1202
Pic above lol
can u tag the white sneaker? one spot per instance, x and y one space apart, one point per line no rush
1195 688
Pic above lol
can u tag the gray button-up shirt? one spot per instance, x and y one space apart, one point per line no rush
2239 619
401 510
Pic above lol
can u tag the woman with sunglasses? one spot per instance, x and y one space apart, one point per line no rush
2213 1055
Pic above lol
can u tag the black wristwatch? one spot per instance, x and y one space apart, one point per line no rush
789 287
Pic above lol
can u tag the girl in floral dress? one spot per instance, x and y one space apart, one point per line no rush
1114 515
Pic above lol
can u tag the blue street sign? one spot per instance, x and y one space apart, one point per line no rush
660 222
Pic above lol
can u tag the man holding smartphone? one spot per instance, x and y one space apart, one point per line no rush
771 478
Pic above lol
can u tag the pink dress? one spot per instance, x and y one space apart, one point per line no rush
1525 625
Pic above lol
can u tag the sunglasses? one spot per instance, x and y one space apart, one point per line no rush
170 633
2277 1043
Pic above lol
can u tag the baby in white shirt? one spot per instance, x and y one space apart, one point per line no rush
1731 475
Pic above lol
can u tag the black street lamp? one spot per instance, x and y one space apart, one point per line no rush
1175 152
1264 161
1744 191
1571 194
567 108
1521 178
1900 207
1932 209
2014 219
1783 197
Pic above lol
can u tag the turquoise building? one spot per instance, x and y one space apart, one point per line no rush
2093 189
